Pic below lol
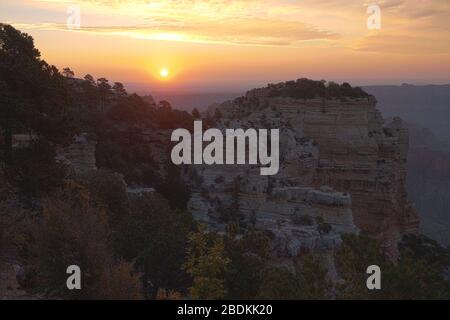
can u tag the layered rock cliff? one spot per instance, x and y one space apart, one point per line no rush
341 165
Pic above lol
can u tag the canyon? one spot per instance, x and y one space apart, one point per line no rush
342 170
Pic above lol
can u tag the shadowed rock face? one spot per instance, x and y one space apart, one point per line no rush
339 160
79 155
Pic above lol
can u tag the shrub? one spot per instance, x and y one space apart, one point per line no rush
73 231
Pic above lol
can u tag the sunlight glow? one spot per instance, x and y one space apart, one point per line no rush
164 73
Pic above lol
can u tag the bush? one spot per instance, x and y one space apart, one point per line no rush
35 171
308 89
73 231
156 238
206 263
418 274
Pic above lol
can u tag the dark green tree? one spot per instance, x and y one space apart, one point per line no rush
207 264
157 240
33 94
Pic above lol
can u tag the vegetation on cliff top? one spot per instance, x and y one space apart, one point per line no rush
308 89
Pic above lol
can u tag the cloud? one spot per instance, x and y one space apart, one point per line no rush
227 31
421 27
406 25
240 22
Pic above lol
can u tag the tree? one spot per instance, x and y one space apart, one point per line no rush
12 231
68 73
105 91
310 282
356 253
174 189
421 272
74 231
156 239
314 284
35 169
196 114
33 94
90 80
120 282
119 89
206 264
278 284
249 258
418 274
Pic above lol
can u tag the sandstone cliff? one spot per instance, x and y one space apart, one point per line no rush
341 165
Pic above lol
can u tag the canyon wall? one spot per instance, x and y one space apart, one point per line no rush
341 166
342 170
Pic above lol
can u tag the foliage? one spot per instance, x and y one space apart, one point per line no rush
12 231
33 94
310 282
249 256
156 238
164 294
34 169
279 284
352 260
308 89
313 280
120 282
109 191
75 231
68 73
206 263
119 89
174 189
418 274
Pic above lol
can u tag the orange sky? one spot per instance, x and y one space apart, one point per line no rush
220 45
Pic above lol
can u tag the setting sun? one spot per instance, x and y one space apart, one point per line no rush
164 73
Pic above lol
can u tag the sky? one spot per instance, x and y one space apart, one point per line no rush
232 45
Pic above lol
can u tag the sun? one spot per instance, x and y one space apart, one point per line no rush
164 73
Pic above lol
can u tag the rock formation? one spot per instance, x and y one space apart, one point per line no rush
80 154
341 165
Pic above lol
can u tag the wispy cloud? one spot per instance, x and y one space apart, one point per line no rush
236 22
406 24
227 31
